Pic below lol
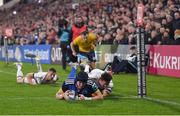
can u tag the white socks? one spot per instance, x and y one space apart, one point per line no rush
87 69
19 71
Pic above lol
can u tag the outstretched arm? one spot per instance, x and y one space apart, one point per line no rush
60 94
96 96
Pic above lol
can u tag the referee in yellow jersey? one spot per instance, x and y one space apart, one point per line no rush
86 44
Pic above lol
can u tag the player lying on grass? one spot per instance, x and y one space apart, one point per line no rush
36 78
78 87
98 76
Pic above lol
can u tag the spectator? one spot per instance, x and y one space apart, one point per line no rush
102 17
177 37
78 27
51 37
64 36
155 38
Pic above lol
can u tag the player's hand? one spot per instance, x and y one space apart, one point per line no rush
81 97
66 95
74 53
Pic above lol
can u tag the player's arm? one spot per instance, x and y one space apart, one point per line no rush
97 95
94 41
106 92
73 43
93 46
60 94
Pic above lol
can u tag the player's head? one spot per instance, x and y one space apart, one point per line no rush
133 50
51 74
105 79
84 34
79 21
63 23
81 79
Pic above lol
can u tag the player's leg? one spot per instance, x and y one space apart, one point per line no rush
70 79
74 67
19 73
64 54
92 59
38 64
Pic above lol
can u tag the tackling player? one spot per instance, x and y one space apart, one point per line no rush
36 78
103 79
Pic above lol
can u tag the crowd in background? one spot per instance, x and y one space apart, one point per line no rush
114 21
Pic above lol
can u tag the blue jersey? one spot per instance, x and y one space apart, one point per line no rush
87 91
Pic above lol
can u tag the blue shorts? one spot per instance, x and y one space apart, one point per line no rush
90 55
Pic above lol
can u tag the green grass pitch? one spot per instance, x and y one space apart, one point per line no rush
163 96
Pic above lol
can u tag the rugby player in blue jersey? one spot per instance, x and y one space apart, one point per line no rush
78 87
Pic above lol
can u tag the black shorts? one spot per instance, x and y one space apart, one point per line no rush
90 55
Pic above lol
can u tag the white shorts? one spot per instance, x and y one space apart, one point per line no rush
27 81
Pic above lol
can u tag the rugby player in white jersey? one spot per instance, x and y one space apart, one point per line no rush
98 76
36 78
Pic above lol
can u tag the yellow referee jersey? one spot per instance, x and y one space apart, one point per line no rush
86 45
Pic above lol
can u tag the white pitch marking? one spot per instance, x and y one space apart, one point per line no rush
7 72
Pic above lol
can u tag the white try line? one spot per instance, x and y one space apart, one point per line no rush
146 98
156 100
26 98
50 98
162 101
115 97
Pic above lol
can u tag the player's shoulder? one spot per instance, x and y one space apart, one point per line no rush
77 39
92 83
92 35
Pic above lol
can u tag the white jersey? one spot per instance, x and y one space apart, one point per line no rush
39 77
96 74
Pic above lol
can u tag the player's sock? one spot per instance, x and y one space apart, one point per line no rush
19 73
72 73
71 79
86 68
74 65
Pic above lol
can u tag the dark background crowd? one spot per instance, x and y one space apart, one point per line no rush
114 21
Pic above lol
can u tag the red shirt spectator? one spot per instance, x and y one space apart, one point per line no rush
78 27
76 31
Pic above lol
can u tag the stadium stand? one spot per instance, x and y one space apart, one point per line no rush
112 20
